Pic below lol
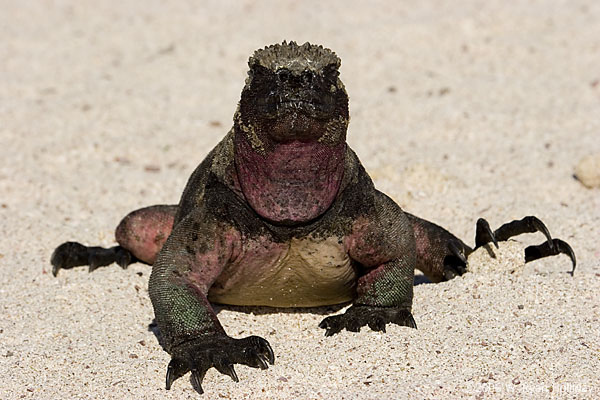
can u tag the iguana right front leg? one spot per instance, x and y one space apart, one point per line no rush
196 253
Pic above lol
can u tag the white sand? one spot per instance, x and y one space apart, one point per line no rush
459 110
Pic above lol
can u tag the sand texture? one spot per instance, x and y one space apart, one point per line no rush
458 110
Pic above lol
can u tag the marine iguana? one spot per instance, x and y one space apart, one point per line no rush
281 213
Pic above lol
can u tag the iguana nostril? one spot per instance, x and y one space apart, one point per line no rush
307 77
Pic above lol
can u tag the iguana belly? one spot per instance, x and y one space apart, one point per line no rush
304 272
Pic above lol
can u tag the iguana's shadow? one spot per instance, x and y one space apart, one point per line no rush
257 310
421 279
263 310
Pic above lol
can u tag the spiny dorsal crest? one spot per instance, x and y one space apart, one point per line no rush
293 57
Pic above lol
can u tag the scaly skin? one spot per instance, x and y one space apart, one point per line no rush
282 213
282 185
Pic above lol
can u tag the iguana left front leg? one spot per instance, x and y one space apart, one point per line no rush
383 245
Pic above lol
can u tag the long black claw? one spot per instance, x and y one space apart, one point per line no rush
265 349
540 227
529 224
331 325
546 249
175 370
197 378
565 248
227 369
456 249
55 269
410 322
377 324
484 234
93 266
260 360
170 378
124 258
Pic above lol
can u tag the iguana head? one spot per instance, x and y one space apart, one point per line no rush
290 132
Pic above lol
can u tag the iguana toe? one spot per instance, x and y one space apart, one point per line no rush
484 234
68 255
455 264
528 224
227 369
377 324
176 369
197 378
552 248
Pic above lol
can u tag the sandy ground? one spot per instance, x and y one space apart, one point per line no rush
459 110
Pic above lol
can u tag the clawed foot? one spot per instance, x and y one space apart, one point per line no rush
530 224
221 352
455 263
73 254
361 315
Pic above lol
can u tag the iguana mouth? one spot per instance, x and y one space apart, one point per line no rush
277 105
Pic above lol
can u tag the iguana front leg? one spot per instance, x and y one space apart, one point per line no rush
384 296
383 245
195 254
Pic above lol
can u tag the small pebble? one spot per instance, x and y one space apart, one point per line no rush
588 171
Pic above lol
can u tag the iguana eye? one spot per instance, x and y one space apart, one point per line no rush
331 75
283 75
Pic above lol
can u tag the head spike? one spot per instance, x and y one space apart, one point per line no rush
294 57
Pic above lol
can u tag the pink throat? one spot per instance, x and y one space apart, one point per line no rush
294 182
